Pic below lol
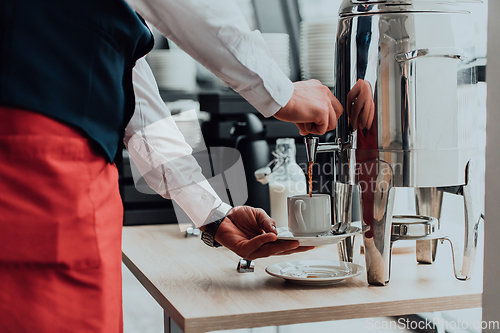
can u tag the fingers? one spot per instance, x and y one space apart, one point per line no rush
272 248
264 221
320 127
365 115
319 130
360 105
332 120
278 248
258 241
372 116
310 128
335 110
326 122
353 102
351 97
302 129
356 108
296 250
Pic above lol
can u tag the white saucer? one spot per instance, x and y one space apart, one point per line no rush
285 234
315 272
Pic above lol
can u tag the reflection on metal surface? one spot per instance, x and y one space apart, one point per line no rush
245 266
450 53
428 201
192 232
407 227
350 249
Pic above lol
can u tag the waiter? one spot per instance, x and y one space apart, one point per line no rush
66 97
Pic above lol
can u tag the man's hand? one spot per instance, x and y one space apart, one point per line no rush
313 108
251 233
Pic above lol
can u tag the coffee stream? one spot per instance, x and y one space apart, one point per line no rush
309 172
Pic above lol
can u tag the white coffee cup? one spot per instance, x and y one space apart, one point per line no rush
309 216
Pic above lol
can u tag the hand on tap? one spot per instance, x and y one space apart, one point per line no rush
360 106
313 108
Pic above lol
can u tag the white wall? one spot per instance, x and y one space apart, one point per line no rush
491 296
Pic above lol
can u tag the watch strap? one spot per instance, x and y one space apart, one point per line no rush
208 236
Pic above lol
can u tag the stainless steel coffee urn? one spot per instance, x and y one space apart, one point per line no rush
406 77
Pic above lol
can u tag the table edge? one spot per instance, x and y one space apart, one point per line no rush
331 313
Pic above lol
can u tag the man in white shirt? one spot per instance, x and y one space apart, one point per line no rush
216 34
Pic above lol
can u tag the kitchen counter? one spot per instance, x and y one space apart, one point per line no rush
200 289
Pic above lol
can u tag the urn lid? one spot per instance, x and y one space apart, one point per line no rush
371 7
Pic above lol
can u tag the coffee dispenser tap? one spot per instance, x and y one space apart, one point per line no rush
313 146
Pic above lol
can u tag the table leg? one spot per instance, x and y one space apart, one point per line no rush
169 325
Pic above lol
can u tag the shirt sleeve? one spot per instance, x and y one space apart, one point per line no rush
216 34
163 158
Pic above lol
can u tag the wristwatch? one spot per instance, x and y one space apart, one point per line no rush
208 236
220 213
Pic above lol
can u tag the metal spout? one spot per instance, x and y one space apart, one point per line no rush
313 146
311 143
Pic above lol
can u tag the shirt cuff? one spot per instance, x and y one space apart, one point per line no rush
268 104
199 202
219 213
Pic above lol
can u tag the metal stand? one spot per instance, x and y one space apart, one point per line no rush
473 216
428 202
377 202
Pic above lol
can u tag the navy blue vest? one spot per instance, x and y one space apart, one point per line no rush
72 60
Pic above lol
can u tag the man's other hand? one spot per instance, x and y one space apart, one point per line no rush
251 233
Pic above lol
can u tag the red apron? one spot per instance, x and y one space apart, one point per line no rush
60 229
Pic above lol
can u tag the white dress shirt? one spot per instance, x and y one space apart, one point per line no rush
215 34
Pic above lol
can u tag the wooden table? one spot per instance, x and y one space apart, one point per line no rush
200 289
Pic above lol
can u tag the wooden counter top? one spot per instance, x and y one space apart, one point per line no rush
201 290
